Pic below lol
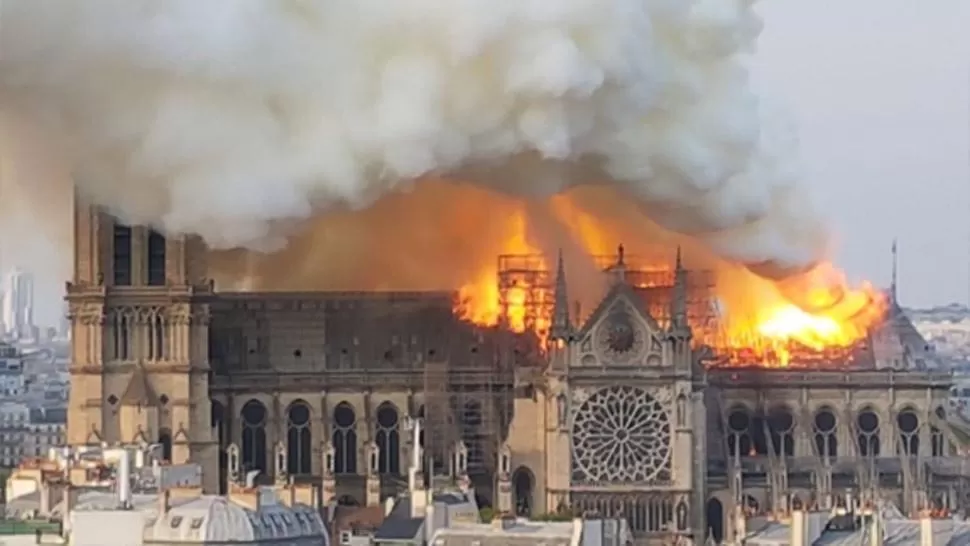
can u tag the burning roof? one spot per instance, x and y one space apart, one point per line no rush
855 329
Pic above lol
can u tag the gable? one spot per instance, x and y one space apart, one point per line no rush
620 298
620 332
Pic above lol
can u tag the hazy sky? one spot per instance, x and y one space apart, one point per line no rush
879 91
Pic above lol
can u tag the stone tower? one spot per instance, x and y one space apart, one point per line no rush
139 313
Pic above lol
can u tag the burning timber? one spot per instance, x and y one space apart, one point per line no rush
636 407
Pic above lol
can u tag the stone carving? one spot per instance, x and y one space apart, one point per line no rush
622 434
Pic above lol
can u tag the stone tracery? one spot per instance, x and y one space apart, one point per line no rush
621 434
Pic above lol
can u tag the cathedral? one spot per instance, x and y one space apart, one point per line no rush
619 412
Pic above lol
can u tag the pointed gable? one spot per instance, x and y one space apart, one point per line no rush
620 294
139 391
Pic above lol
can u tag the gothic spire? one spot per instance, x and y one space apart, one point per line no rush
892 287
561 326
678 300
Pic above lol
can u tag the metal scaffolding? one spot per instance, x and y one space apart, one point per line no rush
526 284
468 399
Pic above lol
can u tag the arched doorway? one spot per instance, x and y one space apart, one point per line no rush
523 487
715 520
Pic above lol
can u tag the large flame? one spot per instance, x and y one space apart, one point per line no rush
815 316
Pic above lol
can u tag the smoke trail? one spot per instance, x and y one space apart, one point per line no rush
236 119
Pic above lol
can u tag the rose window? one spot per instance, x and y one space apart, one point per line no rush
621 434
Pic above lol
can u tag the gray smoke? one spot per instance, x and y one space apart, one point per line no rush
236 119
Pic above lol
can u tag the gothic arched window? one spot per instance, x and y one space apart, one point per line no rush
156 334
121 259
254 436
156 259
122 325
908 423
388 440
472 434
825 427
781 431
344 439
299 450
868 437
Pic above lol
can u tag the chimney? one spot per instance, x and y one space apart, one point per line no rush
45 497
164 502
429 527
875 528
70 499
798 528
577 531
123 480
389 505
925 530
251 478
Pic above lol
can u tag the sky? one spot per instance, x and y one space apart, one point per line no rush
879 91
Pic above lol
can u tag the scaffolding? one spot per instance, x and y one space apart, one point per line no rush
468 398
525 292
526 288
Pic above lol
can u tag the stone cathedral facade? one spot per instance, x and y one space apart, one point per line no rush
608 420
614 416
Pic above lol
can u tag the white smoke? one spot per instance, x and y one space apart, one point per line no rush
232 118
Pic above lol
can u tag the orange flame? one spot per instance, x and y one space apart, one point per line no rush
517 307
815 316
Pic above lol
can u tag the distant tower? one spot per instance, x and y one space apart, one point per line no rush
893 296
18 304
138 307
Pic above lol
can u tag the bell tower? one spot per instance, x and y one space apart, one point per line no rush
139 311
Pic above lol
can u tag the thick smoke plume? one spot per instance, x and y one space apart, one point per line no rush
242 120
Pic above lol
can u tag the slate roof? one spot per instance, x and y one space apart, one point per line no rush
399 529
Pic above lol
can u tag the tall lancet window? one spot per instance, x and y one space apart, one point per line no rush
122 326
156 259
254 436
388 440
156 335
299 444
121 259
345 439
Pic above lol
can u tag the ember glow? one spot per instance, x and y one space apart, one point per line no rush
815 317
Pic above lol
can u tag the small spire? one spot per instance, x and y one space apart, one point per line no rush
893 287
678 300
620 255
561 326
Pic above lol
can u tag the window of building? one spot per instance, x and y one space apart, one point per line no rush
122 255
176 521
156 259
